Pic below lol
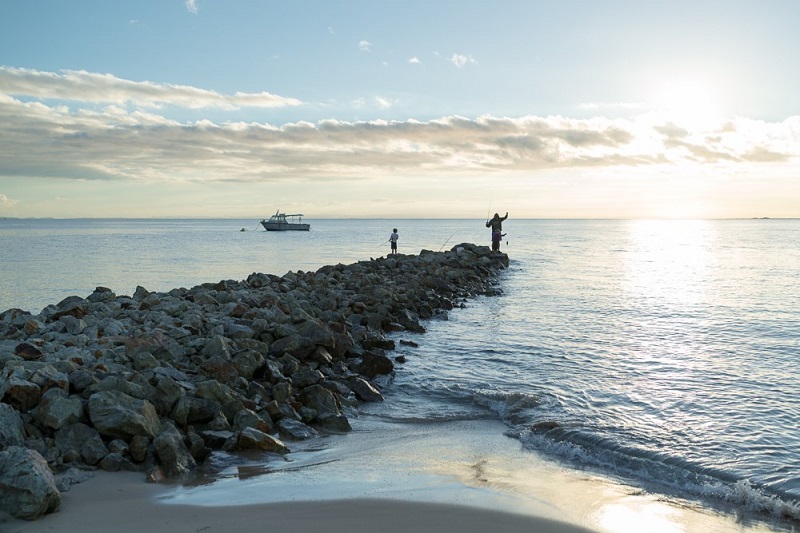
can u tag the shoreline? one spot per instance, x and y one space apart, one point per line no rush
368 481
106 503
156 382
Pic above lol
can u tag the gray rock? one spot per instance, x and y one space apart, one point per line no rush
17 391
72 476
218 346
191 410
168 392
57 409
296 430
305 377
320 399
11 428
116 414
373 364
247 363
365 391
253 439
80 442
27 486
172 452
73 325
317 333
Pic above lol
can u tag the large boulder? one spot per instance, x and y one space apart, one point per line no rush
57 409
80 443
27 486
115 414
172 452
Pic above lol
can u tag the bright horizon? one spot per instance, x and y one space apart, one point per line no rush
548 110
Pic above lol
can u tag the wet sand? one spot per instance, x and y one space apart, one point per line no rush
123 503
459 477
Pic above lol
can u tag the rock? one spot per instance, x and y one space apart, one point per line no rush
48 377
164 378
116 414
247 363
80 443
28 352
365 390
316 333
168 392
253 439
296 430
72 476
27 486
172 452
190 410
218 346
321 400
245 418
373 364
306 377
17 391
57 409
11 428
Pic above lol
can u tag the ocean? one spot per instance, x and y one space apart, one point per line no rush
660 355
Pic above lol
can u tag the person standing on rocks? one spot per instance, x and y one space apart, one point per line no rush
393 240
496 223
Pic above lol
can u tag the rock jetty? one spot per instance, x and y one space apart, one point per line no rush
157 381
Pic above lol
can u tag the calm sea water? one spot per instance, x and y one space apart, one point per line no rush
661 352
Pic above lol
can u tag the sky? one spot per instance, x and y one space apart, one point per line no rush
400 109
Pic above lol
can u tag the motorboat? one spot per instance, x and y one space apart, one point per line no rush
283 222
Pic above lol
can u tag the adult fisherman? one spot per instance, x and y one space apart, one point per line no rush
496 223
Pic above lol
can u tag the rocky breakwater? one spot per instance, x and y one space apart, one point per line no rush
156 382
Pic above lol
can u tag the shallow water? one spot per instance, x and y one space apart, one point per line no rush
659 353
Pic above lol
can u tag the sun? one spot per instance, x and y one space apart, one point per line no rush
689 102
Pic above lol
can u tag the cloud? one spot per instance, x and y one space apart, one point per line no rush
191 6
364 46
82 86
5 201
383 103
460 60
414 60
115 143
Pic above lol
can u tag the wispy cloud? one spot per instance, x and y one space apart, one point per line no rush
191 6
414 60
460 60
364 46
82 86
383 103
5 201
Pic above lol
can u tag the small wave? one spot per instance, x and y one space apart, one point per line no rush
663 474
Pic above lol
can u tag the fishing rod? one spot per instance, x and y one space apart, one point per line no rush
448 240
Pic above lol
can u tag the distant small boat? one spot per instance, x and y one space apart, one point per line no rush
283 222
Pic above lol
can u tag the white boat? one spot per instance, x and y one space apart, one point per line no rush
283 222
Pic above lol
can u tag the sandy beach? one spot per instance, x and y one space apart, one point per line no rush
123 503
453 477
